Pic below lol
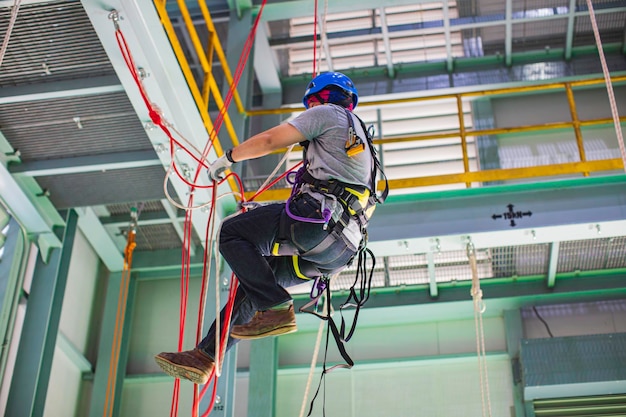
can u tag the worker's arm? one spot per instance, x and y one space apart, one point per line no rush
258 145
261 144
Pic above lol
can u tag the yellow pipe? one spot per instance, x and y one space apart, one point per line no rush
511 174
193 87
498 131
459 105
576 124
220 104
204 62
193 36
208 75
220 54
478 176
171 34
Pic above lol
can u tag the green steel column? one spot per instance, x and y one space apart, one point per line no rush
12 266
514 335
225 393
486 145
262 385
238 30
29 386
110 370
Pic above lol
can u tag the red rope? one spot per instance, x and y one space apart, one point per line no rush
187 234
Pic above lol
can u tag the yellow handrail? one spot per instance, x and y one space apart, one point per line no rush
200 95
583 167
211 89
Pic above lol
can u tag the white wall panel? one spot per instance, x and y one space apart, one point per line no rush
437 388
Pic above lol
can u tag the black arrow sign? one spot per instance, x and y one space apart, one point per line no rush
511 215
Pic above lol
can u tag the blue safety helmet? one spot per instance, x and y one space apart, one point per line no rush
326 79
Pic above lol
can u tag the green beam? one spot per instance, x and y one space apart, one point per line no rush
29 386
225 392
106 394
569 35
565 207
75 356
508 37
554 260
164 263
12 266
262 385
498 294
99 239
513 326
432 279
224 405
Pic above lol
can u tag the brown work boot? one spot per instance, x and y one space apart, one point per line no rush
266 323
193 365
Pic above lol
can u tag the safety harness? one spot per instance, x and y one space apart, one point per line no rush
358 202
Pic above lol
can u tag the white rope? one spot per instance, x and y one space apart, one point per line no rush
479 309
316 352
271 176
7 36
609 85
324 41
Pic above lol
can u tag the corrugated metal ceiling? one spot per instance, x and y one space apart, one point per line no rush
51 41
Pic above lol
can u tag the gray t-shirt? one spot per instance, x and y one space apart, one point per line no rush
326 129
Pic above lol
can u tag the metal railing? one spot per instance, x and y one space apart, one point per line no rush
467 177
209 89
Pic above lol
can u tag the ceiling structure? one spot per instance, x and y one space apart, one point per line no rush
76 133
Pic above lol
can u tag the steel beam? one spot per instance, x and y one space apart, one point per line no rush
513 326
30 215
446 33
569 35
265 68
262 385
99 239
560 210
92 163
110 369
12 267
508 36
61 89
224 405
554 260
165 83
29 386
454 301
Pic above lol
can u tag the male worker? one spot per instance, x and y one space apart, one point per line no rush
316 232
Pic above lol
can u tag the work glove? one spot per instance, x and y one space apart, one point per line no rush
217 168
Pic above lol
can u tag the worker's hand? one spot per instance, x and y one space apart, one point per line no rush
217 168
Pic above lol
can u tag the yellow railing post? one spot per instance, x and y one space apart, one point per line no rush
576 124
459 106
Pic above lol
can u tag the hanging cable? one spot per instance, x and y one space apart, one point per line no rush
318 342
479 309
7 35
324 41
158 119
609 84
120 314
